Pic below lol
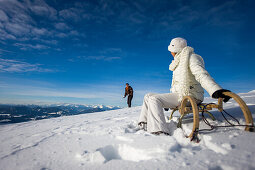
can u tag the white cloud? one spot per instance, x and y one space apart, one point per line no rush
30 46
3 16
50 42
112 58
39 31
105 58
22 18
4 35
61 35
6 51
61 26
20 66
70 14
41 8
75 33
108 54
17 29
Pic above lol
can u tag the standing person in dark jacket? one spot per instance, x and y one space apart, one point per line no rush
129 92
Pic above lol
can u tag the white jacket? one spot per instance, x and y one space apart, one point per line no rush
190 76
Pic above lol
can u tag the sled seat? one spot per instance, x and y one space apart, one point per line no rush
202 107
189 105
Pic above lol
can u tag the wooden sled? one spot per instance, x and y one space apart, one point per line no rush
196 109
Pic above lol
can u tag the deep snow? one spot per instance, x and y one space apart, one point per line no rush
112 140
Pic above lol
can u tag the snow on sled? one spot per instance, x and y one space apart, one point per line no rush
188 105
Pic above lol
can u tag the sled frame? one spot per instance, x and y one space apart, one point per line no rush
203 107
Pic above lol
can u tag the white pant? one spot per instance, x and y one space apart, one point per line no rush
152 110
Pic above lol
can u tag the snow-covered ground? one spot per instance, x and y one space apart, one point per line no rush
111 140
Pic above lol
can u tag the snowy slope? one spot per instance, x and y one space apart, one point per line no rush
111 140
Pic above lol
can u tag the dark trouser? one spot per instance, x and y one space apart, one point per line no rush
129 100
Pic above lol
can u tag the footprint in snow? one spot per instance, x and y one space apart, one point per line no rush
131 128
119 152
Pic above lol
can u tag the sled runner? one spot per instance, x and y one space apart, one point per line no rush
204 108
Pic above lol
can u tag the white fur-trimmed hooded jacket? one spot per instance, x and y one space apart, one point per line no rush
190 76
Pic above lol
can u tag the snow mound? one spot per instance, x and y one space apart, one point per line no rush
112 140
119 152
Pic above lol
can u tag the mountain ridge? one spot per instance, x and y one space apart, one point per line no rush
21 113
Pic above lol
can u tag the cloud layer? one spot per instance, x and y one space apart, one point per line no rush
46 25
20 66
32 25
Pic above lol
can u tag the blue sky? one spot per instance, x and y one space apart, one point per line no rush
85 51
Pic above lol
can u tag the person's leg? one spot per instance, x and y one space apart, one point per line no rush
156 119
144 111
168 100
129 100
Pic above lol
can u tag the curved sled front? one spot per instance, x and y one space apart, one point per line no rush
246 111
194 111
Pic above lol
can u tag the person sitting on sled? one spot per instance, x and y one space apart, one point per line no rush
189 79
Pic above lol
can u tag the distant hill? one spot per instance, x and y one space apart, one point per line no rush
22 113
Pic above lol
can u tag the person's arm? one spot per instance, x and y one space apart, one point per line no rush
197 68
125 93
203 77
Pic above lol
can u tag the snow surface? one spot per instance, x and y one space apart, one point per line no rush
112 140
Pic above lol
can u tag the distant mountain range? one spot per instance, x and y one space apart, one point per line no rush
22 113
